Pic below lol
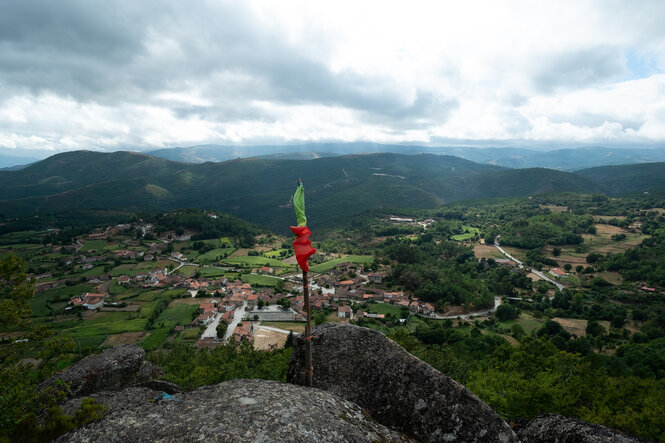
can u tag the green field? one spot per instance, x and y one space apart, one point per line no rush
150 295
133 269
469 233
277 254
384 308
106 328
212 256
156 338
256 261
177 315
528 323
327 266
260 280
96 245
187 270
61 293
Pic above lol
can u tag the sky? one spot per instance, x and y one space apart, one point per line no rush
127 75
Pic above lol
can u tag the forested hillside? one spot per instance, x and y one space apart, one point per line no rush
259 189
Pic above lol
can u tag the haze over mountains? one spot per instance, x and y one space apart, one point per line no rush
259 189
561 159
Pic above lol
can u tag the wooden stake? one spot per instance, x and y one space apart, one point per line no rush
309 370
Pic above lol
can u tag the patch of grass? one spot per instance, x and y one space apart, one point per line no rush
469 233
277 254
260 280
254 261
327 266
150 295
116 327
177 315
61 293
91 341
187 270
384 308
527 322
212 272
190 334
155 339
93 272
97 245
131 269
212 256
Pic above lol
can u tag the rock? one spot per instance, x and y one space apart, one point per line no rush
115 400
556 428
112 370
239 411
397 389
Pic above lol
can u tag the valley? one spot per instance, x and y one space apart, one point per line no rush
575 285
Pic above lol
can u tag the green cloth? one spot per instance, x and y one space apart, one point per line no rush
299 205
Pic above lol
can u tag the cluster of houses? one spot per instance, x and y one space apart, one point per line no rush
88 300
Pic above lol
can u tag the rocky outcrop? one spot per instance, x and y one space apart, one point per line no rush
371 390
553 428
240 411
396 388
112 370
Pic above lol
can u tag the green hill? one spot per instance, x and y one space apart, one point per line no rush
625 179
259 189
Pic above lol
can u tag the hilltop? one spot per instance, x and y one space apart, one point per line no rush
570 159
259 189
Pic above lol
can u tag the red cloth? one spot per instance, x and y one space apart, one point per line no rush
302 246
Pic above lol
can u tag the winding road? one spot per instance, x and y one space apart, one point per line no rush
521 265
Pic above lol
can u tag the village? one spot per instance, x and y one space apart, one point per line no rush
265 313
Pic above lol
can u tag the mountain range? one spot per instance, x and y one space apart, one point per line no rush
561 159
259 189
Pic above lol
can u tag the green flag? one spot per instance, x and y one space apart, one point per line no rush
299 205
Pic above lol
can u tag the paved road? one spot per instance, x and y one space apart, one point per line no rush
521 265
497 302
211 330
238 314
180 265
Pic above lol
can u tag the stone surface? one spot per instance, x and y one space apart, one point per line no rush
397 389
115 400
239 411
551 428
114 369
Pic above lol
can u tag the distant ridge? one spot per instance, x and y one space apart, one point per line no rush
571 159
259 189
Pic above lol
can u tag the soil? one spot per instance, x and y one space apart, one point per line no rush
573 325
265 339
486 251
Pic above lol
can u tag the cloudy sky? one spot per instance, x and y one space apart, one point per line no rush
109 75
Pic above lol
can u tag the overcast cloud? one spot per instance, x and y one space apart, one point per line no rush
150 74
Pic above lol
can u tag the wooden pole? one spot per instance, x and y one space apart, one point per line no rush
308 331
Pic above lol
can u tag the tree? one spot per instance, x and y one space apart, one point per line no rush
567 267
221 328
284 302
289 340
556 251
320 318
505 312
16 291
594 328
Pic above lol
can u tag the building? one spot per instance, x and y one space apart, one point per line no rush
558 273
345 312
376 277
